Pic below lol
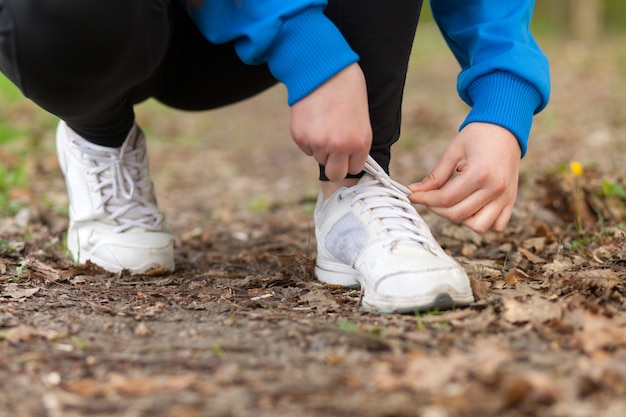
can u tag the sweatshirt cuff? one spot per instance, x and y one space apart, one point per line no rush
506 100
307 51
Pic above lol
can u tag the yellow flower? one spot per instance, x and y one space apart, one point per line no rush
576 168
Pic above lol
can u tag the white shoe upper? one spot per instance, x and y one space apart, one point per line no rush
114 218
370 235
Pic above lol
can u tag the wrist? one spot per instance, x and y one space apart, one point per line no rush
503 99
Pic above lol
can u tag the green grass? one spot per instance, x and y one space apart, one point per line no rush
9 93
612 189
21 124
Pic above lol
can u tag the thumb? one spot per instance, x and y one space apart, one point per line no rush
442 172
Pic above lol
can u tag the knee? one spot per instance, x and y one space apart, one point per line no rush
88 35
79 47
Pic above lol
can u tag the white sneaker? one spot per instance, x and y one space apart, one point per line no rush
114 220
370 235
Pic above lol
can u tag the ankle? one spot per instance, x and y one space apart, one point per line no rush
329 188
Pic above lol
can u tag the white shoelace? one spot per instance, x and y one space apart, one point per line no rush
391 207
124 184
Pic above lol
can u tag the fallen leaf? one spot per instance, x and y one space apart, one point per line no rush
483 267
531 387
537 244
607 371
534 310
21 334
477 322
432 373
47 273
487 357
461 233
321 301
558 265
606 275
599 333
17 291
132 386
531 256
142 329
511 277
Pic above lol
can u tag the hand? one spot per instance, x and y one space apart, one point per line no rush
475 181
332 124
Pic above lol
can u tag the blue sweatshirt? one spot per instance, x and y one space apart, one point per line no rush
504 75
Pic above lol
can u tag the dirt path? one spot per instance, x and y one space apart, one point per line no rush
243 329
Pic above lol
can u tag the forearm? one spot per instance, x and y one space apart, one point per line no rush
302 48
504 74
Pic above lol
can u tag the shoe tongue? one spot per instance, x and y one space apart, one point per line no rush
366 177
132 139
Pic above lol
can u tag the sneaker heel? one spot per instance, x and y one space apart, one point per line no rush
341 278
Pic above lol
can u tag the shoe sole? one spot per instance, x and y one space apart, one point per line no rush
440 302
345 276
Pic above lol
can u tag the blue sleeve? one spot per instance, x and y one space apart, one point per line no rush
302 47
504 75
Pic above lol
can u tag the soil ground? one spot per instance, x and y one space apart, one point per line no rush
243 329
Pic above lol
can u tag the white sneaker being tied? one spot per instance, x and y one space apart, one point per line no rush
114 220
370 235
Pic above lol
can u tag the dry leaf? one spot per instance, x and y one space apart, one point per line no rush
17 291
133 385
46 272
483 267
534 310
142 329
487 356
531 256
321 301
599 274
25 334
537 244
511 277
558 265
460 233
21 334
477 322
531 386
598 333
432 373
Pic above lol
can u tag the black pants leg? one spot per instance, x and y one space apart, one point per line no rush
382 33
90 62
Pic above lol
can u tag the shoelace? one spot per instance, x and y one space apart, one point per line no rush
391 207
123 183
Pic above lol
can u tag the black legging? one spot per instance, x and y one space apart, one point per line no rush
89 62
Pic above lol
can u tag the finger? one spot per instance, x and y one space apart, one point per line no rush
466 208
320 156
503 219
443 171
357 162
336 167
454 191
484 219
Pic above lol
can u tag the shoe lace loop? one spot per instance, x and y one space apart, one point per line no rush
390 206
124 184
